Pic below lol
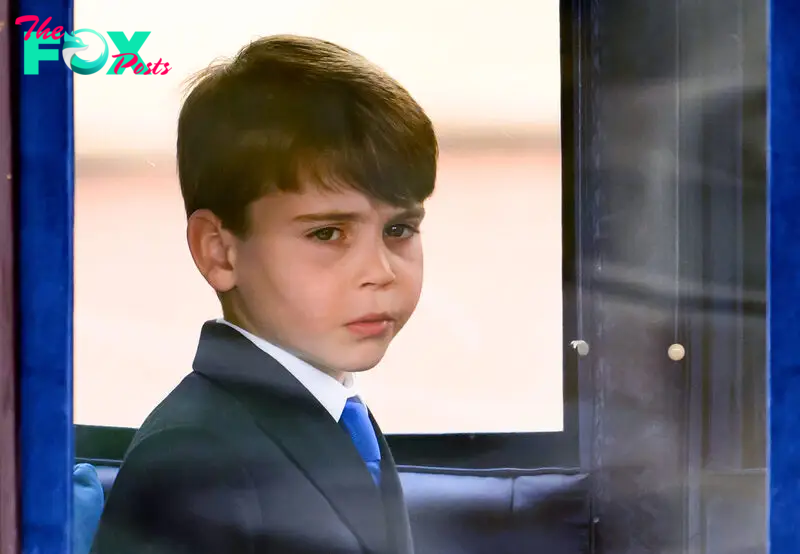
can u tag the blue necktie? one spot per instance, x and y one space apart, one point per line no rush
355 420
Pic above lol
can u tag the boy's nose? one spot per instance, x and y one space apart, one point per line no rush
377 268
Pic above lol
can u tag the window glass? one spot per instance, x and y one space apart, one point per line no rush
483 353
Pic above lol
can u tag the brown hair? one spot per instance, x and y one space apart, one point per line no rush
287 109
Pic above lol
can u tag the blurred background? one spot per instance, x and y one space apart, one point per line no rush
488 330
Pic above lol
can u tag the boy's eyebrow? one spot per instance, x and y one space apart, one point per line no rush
335 217
417 212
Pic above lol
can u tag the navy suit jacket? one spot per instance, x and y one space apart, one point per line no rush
241 458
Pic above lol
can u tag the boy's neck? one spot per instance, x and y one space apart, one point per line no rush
340 376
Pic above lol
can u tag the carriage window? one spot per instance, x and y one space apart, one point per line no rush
488 329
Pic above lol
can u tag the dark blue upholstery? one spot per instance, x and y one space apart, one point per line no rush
488 512
88 500
497 512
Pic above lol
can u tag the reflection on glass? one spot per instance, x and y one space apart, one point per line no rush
488 330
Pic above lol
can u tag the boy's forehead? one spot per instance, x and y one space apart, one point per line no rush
310 197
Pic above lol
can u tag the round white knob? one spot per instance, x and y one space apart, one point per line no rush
676 352
580 346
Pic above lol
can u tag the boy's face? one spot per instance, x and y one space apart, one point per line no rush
330 276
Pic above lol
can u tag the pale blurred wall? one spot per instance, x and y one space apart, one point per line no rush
473 65
488 329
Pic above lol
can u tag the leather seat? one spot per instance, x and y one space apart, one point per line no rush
488 511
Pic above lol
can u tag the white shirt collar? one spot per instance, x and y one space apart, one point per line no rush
328 391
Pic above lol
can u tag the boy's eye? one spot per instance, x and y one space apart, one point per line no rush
327 234
400 231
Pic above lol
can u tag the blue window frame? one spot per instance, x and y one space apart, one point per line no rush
44 187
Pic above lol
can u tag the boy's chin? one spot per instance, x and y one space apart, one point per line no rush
360 359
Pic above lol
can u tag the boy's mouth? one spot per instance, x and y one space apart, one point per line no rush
372 325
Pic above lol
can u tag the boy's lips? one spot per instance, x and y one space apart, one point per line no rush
371 325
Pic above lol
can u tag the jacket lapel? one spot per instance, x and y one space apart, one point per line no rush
285 410
398 525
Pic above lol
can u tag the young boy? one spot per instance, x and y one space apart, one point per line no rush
304 170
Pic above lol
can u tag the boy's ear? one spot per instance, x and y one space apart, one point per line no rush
213 249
